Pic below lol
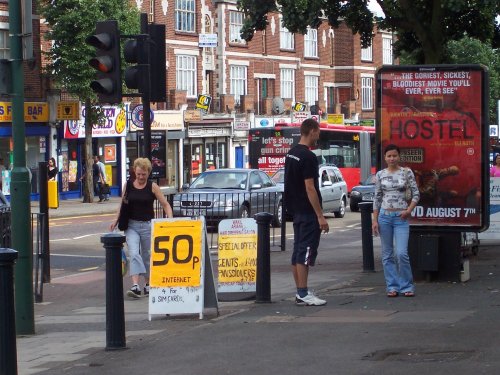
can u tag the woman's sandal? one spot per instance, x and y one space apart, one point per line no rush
392 294
409 294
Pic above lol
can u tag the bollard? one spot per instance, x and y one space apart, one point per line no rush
115 313
366 209
263 284
8 346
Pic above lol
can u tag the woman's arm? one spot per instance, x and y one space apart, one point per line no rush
115 222
163 201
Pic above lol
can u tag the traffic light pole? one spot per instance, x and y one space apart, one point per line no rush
19 186
146 105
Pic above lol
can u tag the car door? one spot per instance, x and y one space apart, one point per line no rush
338 187
270 193
326 189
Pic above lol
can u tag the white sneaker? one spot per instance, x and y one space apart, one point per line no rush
309 300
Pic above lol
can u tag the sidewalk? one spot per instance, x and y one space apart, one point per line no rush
448 328
72 207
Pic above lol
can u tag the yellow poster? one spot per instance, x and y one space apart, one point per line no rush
176 253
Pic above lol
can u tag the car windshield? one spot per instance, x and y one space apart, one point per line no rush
279 176
221 180
370 180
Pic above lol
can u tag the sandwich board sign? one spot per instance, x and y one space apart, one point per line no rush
181 276
237 262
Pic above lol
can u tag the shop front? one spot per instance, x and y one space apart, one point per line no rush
108 142
37 138
206 146
167 135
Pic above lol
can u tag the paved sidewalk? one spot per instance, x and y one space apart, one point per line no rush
75 207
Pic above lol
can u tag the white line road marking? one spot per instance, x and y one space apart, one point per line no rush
78 256
78 237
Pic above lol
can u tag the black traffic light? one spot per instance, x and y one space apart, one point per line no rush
106 40
136 51
157 65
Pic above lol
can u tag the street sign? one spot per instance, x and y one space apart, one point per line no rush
68 110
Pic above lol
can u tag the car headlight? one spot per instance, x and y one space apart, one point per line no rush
224 201
355 193
176 203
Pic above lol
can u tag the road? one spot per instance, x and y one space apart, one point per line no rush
75 241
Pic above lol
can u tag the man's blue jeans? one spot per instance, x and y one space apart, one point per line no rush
395 259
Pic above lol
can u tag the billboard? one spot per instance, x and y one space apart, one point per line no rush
437 115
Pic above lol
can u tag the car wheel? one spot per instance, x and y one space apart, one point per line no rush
341 211
354 207
244 212
278 215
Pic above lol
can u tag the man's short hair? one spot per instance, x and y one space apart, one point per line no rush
308 125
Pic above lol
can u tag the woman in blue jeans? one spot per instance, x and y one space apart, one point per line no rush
390 219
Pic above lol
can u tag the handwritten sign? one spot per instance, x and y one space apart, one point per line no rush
237 264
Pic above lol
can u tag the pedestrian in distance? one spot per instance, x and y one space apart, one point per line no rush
303 201
495 169
141 196
52 169
391 211
96 179
102 181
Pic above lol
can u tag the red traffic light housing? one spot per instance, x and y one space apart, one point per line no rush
108 84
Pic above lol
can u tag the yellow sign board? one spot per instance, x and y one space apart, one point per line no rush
68 111
176 253
33 112
335 119
203 102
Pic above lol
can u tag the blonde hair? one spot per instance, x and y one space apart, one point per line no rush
143 163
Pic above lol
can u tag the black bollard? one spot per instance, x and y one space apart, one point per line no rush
115 312
8 346
366 209
263 284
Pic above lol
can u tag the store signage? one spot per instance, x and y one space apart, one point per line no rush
367 122
207 40
493 130
192 115
113 125
162 121
208 132
437 115
68 111
158 153
241 125
33 112
299 107
335 118
136 116
180 268
203 102
237 260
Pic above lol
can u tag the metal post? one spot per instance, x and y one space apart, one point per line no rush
366 209
44 210
8 346
146 105
263 284
115 312
20 184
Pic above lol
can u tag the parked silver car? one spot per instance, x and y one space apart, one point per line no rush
332 186
229 193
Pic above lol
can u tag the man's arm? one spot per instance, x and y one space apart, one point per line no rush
312 195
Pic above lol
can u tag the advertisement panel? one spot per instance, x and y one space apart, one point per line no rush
437 115
113 125
158 153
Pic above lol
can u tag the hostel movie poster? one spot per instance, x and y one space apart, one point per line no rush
437 115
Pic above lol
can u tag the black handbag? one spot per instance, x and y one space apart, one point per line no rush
124 215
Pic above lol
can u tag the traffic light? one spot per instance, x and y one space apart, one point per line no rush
157 66
136 51
106 40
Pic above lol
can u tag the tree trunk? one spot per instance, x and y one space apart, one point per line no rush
88 191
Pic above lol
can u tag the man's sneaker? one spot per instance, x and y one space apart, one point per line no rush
309 300
146 290
134 292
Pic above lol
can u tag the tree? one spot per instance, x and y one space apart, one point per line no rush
70 22
423 27
468 51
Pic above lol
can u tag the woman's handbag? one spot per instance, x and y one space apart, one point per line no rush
124 211
408 192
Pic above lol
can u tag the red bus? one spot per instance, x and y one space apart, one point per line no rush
350 148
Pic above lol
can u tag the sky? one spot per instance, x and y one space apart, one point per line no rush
375 8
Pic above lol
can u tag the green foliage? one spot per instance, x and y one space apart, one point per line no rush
423 27
471 51
70 22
